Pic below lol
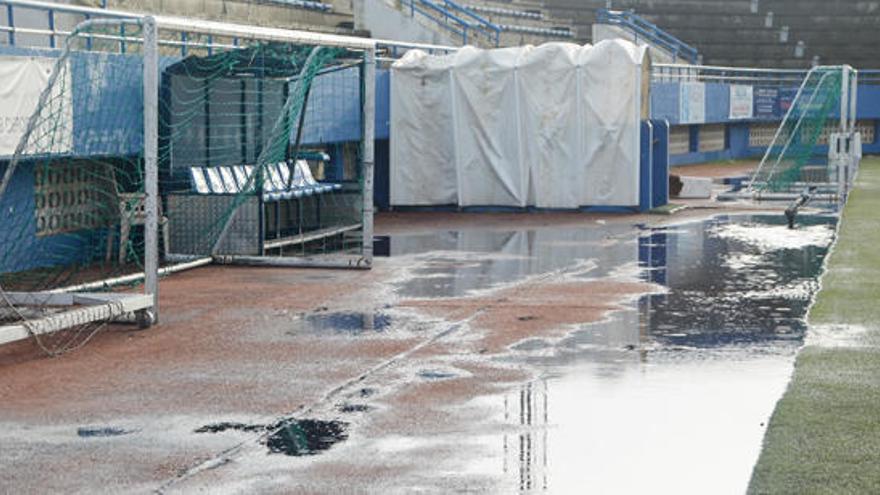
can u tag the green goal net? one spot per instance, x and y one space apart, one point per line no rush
792 162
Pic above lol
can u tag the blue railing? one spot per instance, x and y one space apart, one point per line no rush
455 18
649 32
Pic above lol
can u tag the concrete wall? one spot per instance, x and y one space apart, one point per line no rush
609 32
383 20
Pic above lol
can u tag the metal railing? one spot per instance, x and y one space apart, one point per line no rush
456 19
742 75
649 32
726 75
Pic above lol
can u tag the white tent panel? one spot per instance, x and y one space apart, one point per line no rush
490 169
610 109
549 125
422 168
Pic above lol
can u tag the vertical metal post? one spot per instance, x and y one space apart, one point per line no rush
151 161
844 98
369 122
853 100
10 18
52 28
88 36
854 145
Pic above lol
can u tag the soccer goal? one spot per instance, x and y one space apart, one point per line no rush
159 144
823 113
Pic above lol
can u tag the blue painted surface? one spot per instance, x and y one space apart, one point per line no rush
382 182
108 111
717 102
664 102
660 161
654 165
646 165
333 114
20 247
770 104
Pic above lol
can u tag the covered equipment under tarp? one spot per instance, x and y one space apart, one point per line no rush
554 126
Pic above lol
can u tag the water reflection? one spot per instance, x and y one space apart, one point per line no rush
345 323
525 452
456 263
724 290
722 293
685 378
669 395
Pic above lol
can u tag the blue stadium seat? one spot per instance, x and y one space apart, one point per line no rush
281 181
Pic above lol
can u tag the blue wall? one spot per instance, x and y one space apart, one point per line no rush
332 115
21 248
665 103
665 100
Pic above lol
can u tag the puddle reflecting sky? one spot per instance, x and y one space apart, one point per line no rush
668 396
456 263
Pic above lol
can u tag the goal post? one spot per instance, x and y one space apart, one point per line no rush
151 162
823 113
159 144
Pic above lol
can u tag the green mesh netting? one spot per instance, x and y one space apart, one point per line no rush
791 162
254 122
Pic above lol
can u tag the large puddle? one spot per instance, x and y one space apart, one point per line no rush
670 395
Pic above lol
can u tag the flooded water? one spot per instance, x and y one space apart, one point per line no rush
101 431
346 323
671 394
457 263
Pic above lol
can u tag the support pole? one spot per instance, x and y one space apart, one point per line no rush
369 122
854 100
844 100
151 162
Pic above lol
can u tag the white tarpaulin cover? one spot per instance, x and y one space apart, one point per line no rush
22 81
554 126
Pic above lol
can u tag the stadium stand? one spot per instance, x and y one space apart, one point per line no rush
749 33
489 23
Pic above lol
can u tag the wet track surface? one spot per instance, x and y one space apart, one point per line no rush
476 359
